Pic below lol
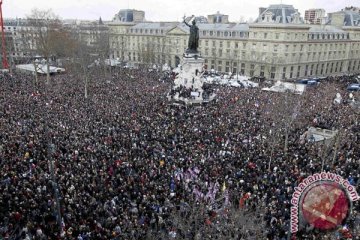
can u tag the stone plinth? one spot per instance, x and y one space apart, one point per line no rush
188 84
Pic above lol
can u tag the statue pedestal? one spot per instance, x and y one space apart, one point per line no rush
188 84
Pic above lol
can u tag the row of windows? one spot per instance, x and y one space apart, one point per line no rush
250 69
322 36
286 72
146 31
233 34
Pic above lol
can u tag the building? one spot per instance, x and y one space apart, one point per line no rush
314 16
278 45
95 34
218 18
19 41
21 33
130 15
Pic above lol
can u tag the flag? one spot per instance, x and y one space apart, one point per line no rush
223 187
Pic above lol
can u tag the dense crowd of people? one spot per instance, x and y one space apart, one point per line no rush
121 163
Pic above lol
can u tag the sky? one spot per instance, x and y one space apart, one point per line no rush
162 10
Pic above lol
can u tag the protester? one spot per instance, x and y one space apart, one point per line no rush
124 158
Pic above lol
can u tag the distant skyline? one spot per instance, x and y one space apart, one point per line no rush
163 10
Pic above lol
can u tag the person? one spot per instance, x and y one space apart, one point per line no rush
193 43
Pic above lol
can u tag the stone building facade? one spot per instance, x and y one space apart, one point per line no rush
19 40
277 45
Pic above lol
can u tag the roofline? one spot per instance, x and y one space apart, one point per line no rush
279 25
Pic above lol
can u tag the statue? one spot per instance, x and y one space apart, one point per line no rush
193 38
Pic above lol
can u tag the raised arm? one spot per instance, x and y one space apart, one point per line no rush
187 23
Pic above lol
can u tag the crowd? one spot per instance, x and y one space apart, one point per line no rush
123 161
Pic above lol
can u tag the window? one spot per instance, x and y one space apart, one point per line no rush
272 74
243 54
277 35
298 71
235 53
262 71
211 33
227 67
234 70
219 66
265 35
284 73
252 66
204 33
276 47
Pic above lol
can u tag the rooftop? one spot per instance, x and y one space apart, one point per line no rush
279 13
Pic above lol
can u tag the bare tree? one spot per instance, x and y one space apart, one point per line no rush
199 220
45 26
147 54
283 113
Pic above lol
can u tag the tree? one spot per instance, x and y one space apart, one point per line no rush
197 220
282 115
82 60
147 53
101 46
46 35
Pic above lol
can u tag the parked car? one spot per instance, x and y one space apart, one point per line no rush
303 81
309 82
312 82
354 87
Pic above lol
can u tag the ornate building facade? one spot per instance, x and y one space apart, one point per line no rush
277 45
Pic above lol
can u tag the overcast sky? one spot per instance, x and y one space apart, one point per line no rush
162 10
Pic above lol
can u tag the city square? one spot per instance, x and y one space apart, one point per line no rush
195 129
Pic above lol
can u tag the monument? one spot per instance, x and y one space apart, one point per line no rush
188 84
